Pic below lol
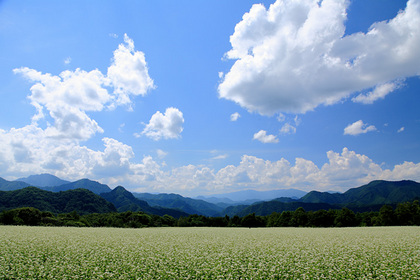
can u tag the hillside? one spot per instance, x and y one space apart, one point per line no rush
251 196
43 180
375 193
93 186
186 204
268 207
125 201
12 185
81 200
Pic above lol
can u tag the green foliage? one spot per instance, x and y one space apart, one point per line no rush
81 200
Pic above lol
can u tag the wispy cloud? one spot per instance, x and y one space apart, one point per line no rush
234 117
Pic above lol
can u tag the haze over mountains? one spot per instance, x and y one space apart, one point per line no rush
86 196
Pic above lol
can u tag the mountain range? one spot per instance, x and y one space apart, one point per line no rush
369 197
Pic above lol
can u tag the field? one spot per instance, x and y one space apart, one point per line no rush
209 253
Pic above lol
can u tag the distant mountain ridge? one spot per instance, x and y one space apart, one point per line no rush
369 197
126 201
43 180
376 192
186 204
253 195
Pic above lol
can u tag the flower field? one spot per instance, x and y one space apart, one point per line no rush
209 253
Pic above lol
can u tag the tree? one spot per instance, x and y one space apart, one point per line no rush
299 218
251 220
345 218
386 216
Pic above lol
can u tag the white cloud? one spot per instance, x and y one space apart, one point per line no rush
128 73
161 153
288 129
357 128
295 56
166 126
67 60
401 129
379 92
264 138
224 156
70 95
234 117
27 151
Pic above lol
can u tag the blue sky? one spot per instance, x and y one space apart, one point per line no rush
202 97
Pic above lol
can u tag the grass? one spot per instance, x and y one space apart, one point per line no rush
209 253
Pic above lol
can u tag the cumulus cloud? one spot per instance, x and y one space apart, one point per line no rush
401 129
264 138
295 56
167 125
357 128
129 73
69 96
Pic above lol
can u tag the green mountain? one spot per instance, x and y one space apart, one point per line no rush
186 204
125 201
80 200
12 185
375 193
93 186
43 180
268 207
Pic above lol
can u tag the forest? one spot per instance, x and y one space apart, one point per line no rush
404 214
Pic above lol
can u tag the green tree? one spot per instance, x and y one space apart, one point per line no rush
345 218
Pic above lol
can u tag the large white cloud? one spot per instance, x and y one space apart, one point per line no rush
295 56
70 95
167 125
129 73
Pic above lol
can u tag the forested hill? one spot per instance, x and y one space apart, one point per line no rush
375 193
12 185
125 201
80 200
370 197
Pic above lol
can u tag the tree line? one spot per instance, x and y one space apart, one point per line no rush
404 214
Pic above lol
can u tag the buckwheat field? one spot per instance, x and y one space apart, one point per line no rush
209 253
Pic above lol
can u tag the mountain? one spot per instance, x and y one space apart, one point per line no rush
252 196
43 180
125 201
12 185
186 204
93 186
375 193
46 182
267 207
81 200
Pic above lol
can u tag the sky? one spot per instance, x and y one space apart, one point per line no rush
206 97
